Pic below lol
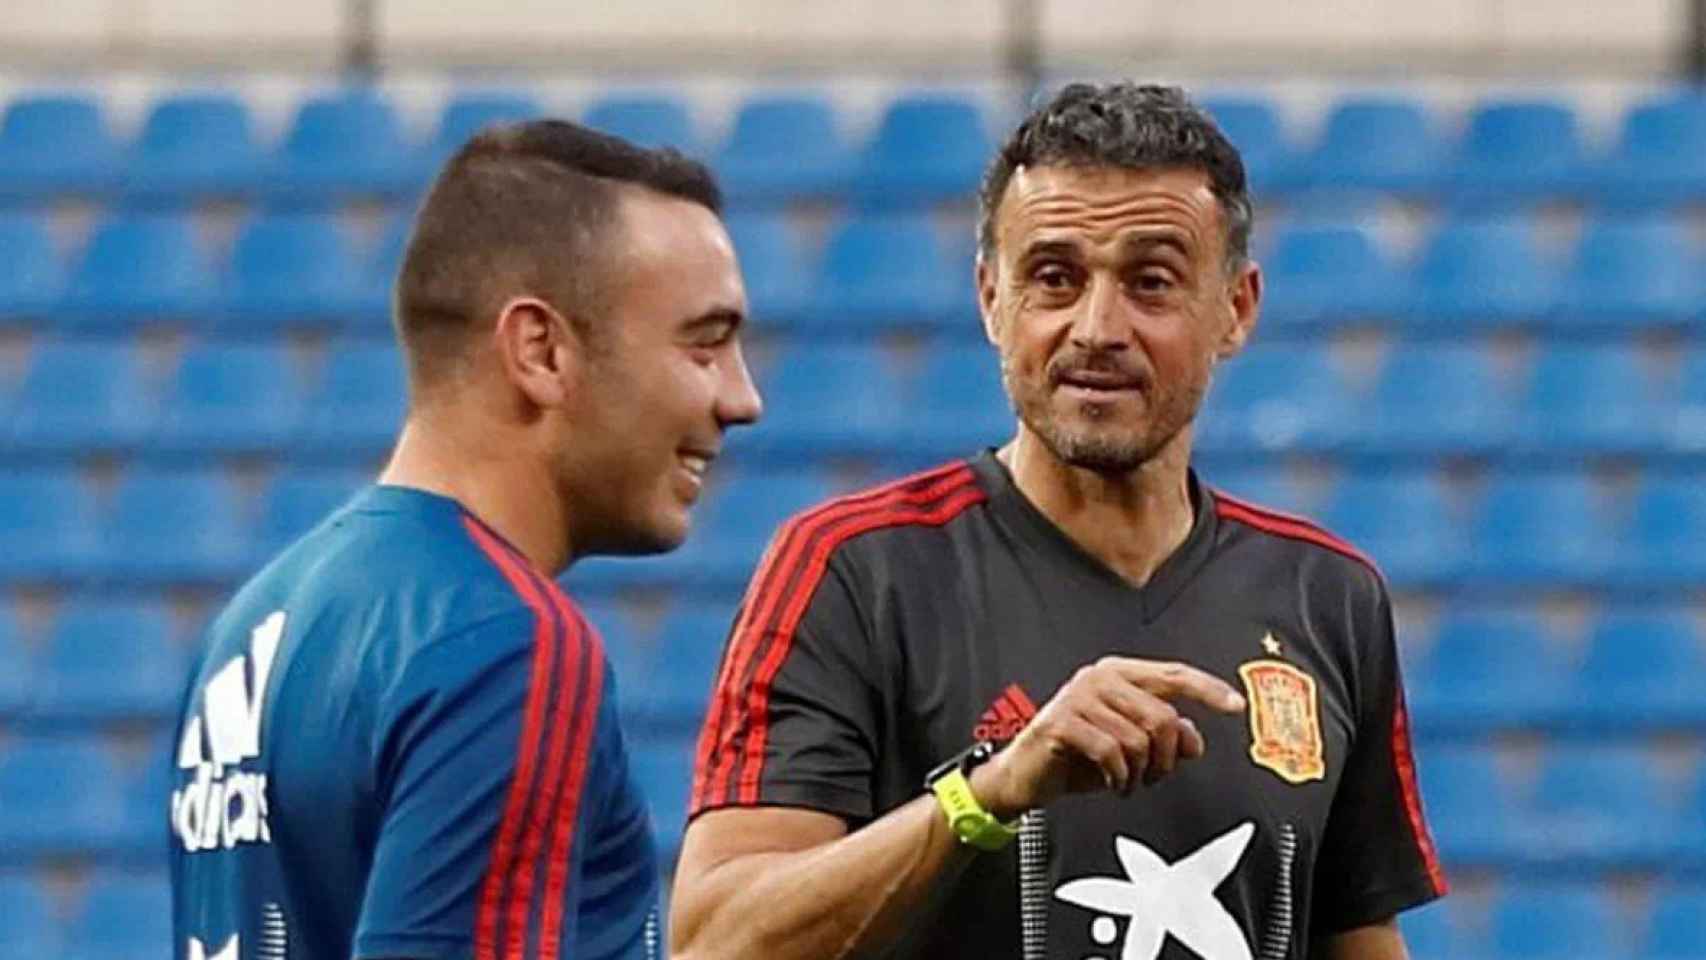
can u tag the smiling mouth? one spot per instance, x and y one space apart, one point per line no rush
696 463
1095 383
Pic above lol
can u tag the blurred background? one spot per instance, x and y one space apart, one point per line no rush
1482 359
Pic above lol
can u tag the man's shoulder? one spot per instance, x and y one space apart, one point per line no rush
851 525
1297 538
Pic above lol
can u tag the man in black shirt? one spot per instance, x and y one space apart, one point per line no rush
1221 764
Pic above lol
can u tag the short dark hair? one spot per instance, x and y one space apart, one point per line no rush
1134 126
523 208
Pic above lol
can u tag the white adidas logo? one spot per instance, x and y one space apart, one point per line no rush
221 808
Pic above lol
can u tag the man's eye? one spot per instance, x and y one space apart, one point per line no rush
1154 282
1054 278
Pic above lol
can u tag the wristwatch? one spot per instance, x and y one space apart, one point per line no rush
951 784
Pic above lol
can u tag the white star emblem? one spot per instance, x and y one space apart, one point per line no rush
1271 645
1159 898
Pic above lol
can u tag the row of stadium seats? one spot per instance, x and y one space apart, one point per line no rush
1562 921
926 147
117 915
876 272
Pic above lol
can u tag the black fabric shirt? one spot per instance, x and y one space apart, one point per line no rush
885 631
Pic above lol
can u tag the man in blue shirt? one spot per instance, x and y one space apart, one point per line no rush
400 740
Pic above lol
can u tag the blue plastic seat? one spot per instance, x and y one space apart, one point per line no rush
1629 274
1677 930
1485 273
231 399
926 149
1432 400
108 661
193 146
775 272
125 917
957 403
647 121
27 916
1491 670
82 397
1261 484
1687 427
47 518
1587 400
739 521
17 682
1518 151
1433 932
292 269
663 769
174 526
359 406
139 268
1660 548
889 272
1404 522
59 798
1641 673
146 793
55 144
1556 922
825 400
784 148
690 648
1660 157
1467 803
1540 530
1598 805
1254 126
32 278
378 279
1275 397
1377 144
1323 276
341 145
296 502
467 113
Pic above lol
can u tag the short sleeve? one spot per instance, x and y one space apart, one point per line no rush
1377 857
793 719
481 756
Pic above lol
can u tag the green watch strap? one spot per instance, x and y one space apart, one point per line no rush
966 817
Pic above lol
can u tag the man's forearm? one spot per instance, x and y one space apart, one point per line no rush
852 897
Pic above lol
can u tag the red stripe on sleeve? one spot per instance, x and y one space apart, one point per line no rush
1405 761
959 497
1295 528
587 702
545 642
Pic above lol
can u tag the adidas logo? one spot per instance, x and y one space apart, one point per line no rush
1006 716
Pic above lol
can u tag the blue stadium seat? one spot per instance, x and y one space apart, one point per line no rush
467 113
1467 803
146 793
31 276
1660 548
825 400
59 797
1404 522
359 406
292 269
1255 127
1641 673
1432 400
125 917
1266 485
1374 144
926 149
888 272
17 683
1677 929
689 647
1539 530
784 148
1518 151
47 518
295 502
1588 400
663 769
1275 397
1556 922
139 268
108 661
340 145
379 278
193 146
231 399
774 270
1322 276
54 144
1481 273
174 526
1598 806
957 404
1490 670
27 916
1688 423
1660 157
737 523
649 121
81 397
1432 932
1633 273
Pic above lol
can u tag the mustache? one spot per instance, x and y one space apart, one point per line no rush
1100 363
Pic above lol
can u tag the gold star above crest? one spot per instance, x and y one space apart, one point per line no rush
1271 645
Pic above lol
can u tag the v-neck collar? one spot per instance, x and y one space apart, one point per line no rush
1040 533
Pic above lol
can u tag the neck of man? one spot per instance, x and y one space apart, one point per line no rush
1132 521
492 473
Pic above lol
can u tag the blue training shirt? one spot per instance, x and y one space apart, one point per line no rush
400 741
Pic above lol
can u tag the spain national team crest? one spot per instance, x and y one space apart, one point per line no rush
1285 720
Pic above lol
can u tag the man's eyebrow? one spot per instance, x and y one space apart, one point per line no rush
1047 247
1144 242
716 316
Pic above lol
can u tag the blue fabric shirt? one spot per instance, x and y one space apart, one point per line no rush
400 741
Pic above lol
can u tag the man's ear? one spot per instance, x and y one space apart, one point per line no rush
1244 302
537 350
984 275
